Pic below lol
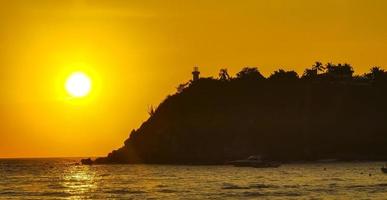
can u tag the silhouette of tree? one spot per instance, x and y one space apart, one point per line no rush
223 75
318 66
250 73
376 74
309 74
339 72
361 79
282 75
312 73
330 67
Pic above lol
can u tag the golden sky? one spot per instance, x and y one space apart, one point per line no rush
137 52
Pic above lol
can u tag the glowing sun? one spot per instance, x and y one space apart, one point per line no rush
78 84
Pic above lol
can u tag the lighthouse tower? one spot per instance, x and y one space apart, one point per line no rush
195 74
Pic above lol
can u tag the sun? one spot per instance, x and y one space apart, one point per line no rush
78 84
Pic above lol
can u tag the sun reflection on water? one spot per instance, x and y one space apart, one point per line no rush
79 181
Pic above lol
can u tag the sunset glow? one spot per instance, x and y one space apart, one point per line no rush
193 99
134 54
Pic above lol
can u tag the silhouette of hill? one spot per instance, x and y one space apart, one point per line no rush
325 113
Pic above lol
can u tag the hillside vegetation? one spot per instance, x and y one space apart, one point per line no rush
326 113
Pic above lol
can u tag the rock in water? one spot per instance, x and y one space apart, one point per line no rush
87 161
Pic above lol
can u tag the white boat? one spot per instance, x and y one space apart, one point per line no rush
254 161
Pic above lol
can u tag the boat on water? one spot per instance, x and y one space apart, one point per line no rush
254 161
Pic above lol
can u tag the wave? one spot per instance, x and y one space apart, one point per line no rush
261 185
230 186
167 191
252 194
53 194
125 191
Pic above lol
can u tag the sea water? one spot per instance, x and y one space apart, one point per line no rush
64 179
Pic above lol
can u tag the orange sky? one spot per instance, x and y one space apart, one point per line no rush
137 52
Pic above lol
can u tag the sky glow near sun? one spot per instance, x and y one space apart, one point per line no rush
135 53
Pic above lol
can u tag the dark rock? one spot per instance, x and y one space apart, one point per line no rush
87 161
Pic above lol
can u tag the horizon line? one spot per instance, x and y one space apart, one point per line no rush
49 157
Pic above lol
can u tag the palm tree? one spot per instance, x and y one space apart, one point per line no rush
318 66
223 75
311 74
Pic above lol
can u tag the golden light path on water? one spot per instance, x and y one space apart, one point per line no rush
64 179
79 181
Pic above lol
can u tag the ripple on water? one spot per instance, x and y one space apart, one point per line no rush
167 190
60 179
253 194
370 188
230 186
124 191
161 186
286 193
261 185
56 186
53 194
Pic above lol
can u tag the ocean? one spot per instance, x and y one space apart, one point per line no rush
62 178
